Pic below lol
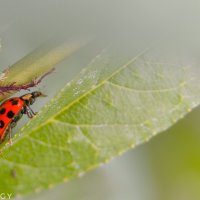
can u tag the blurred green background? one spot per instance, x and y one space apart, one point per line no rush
168 166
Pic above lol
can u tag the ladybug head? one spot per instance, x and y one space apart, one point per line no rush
30 97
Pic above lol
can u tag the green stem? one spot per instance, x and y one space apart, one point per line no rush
39 62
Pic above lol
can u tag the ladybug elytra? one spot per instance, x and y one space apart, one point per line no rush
12 109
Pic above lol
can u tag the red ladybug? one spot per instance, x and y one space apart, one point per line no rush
12 110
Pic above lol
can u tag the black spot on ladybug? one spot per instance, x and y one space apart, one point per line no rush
1 124
2 111
10 114
14 102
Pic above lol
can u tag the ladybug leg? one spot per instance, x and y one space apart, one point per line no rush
16 119
31 111
13 124
29 114
28 111
10 134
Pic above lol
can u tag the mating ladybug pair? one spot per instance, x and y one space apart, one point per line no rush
12 110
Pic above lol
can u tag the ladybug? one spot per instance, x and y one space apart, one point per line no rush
12 110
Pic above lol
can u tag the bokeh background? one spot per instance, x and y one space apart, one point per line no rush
168 166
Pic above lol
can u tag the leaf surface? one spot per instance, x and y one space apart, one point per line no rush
114 104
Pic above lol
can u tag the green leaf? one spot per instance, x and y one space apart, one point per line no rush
114 104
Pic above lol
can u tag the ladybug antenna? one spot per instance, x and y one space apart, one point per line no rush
38 94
